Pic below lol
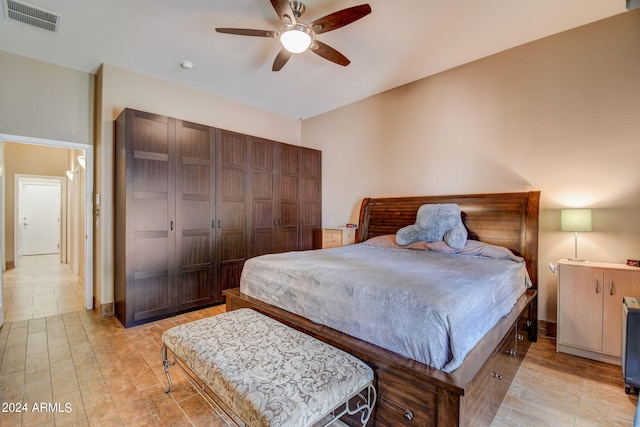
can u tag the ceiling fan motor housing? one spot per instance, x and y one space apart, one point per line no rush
298 8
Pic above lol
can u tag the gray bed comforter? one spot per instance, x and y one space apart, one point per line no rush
430 307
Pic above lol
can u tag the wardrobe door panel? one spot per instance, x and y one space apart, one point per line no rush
145 207
264 231
289 198
195 286
263 196
289 159
232 181
153 208
150 214
310 197
151 297
233 184
289 188
148 133
150 285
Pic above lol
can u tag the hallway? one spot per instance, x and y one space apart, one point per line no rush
40 286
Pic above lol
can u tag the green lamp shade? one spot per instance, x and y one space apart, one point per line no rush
575 220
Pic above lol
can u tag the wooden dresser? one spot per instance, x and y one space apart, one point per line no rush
338 236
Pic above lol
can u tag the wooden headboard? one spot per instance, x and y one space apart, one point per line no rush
505 219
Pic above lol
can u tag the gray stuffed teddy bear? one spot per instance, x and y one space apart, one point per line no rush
434 223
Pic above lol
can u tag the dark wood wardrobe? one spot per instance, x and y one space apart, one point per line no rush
193 203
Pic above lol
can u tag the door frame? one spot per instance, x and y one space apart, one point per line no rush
88 219
17 234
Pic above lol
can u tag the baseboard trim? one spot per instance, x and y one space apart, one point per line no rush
103 310
588 354
547 329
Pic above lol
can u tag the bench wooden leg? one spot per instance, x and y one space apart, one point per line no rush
167 362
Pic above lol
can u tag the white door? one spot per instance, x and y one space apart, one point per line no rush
40 218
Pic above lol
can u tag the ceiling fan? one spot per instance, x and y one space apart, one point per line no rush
297 36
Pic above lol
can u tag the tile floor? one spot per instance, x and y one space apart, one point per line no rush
40 286
89 370
557 389
95 372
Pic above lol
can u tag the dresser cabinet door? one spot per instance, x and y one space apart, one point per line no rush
580 292
617 285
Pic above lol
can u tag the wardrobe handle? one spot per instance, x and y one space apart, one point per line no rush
219 224
213 223
611 287
171 225
596 283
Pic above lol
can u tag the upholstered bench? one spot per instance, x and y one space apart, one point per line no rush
269 374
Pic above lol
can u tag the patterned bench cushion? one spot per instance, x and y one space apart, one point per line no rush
268 373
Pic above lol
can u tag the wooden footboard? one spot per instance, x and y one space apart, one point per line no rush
412 393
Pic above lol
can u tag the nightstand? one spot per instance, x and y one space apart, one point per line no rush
590 308
338 236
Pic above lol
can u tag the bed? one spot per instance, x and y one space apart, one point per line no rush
411 392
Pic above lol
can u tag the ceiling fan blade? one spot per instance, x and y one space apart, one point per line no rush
284 11
248 32
327 52
340 18
281 59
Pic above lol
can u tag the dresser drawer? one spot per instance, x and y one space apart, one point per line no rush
400 403
328 245
333 236
336 237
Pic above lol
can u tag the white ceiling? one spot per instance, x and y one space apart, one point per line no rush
399 42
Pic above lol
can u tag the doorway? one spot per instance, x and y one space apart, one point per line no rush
40 210
84 211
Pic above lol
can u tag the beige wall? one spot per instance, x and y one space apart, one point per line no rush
43 100
560 115
117 89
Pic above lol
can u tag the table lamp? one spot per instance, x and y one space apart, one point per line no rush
575 220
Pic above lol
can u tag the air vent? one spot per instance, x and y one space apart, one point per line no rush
31 15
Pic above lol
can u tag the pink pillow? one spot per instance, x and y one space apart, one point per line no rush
386 241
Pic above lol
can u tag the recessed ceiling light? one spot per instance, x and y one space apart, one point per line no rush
187 65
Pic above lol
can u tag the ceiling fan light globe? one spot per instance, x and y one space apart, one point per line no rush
296 38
